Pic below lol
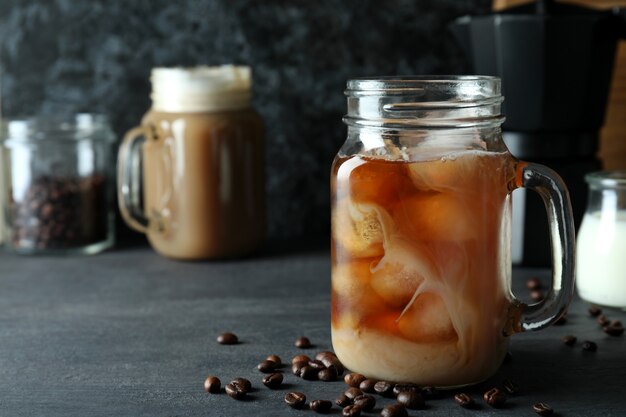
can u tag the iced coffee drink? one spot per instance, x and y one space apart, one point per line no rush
419 291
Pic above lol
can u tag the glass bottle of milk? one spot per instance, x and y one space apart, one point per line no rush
601 241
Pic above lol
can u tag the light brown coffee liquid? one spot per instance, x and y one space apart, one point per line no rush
204 183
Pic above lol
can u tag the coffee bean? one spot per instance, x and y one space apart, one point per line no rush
570 340
561 320
324 354
615 323
464 400
242 383
342 400
367 385
537 295
300 358
296 368
212 384
234 391
333 361
394 410
308 373
412 400
589 346
353 379
510 386
594 311
295 399
365 401
321 406
543 409
430 393
495 398
276 359
398 388
353 392
612 330
227 338
328 374
315 364
273 381
303 343
534 284
602 320
384 388
267 366
351 411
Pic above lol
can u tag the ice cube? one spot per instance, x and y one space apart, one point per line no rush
351 284
379 181
427 320
453 172
403 268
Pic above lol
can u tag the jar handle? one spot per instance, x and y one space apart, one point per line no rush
128 165
552 190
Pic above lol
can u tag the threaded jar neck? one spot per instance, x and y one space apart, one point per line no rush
424 102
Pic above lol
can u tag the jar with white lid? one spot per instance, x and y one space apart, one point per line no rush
200 150
601 251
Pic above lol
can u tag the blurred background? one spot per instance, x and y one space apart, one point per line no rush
74 55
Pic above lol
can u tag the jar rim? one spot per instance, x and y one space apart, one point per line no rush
383 83
607 179
55 127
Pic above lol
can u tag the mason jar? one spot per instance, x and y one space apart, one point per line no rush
421 232
58 184
601 251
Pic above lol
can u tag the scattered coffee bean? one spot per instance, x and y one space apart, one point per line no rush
589 346
534 284
561 320
464 400
308 373
353 392
367 385
537 295
353 379
508 358
351 411
324 354
243 384
384 388
615 323
570 340
398 388
430 393
334 362
411 400
510 386
295 399
613 330
227 338
235 391
328 374
495 398
315 364
296 368
321 406
543 409
276 359
394 410
267 366
594 311
300 358
212 384
273 381
343 400
303 343
602 320
365 401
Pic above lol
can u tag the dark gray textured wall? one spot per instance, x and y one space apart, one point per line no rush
96 55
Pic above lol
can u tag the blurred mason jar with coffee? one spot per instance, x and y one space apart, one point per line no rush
58 184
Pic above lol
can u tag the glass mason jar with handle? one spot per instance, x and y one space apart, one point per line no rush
421 223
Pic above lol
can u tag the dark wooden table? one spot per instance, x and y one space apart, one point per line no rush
128 333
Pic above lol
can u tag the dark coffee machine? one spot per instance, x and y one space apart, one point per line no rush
556 63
